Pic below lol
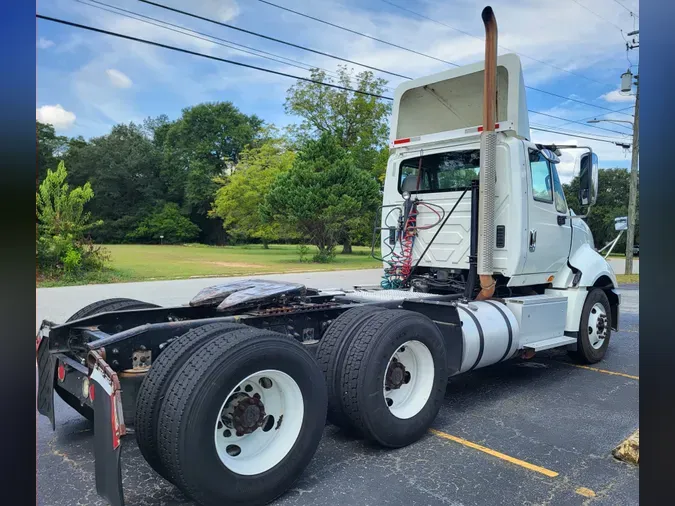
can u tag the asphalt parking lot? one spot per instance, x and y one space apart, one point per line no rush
536 432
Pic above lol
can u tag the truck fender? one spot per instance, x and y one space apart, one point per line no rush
586 269
593 268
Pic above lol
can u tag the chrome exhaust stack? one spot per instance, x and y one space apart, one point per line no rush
488 161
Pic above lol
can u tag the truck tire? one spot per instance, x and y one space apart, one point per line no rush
330 355
394 377
103 306
259 384
595 328
156 383
100 306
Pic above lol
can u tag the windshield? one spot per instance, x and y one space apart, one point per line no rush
441 172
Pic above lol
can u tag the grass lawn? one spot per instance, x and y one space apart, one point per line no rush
625 279
134 262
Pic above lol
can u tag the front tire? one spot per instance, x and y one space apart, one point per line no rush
242 418
595 328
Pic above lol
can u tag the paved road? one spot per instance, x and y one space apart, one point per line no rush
544 412
57 304
619 265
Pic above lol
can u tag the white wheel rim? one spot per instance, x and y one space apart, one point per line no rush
597 326
408 399
266 446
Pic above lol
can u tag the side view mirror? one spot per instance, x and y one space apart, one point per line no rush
588 178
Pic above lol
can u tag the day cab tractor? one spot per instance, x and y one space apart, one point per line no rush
483 261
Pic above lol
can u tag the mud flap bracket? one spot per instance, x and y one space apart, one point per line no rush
108 429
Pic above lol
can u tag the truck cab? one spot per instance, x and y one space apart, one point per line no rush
435 156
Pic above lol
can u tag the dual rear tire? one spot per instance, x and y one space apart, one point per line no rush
231 414
386 372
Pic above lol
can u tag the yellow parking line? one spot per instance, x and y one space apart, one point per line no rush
603 371
513 460
586 492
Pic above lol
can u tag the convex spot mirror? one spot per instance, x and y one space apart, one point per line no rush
550 156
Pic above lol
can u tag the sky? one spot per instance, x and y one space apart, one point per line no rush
87 82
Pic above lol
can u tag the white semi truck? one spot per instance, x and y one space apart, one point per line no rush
483 261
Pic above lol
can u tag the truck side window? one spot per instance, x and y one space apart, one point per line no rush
559 194
542 189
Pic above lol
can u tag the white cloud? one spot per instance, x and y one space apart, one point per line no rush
55 115
119 79
617 96
43 43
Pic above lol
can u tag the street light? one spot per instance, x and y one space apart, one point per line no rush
610 121
632 194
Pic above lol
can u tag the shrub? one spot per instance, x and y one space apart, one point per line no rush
166 225
61 244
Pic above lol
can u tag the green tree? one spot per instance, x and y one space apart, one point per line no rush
62 224
238 200
204 144
125 167
49 147
612 202
322 195
358 122
166 225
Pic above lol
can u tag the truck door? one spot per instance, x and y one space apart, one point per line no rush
549 232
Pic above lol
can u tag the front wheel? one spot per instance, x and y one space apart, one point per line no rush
595 328
242 418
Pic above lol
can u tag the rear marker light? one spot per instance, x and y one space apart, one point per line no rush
61 372
401 141
91 392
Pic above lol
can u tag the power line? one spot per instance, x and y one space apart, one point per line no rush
575 121
575 100
631 12
597 15
232 62
355 32
355 63
160 24
223 42
580 136
194 53
592 117
482 40
568 131
272 38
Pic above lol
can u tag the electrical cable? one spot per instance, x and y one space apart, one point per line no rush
596 14
206 37
592 117
254 67
349 61
575 135
579 122
196 16
500 45
354 32
622 5
194 53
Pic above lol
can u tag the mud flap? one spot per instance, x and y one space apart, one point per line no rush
108 430
46 374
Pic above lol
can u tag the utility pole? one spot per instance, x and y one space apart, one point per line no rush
632 194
